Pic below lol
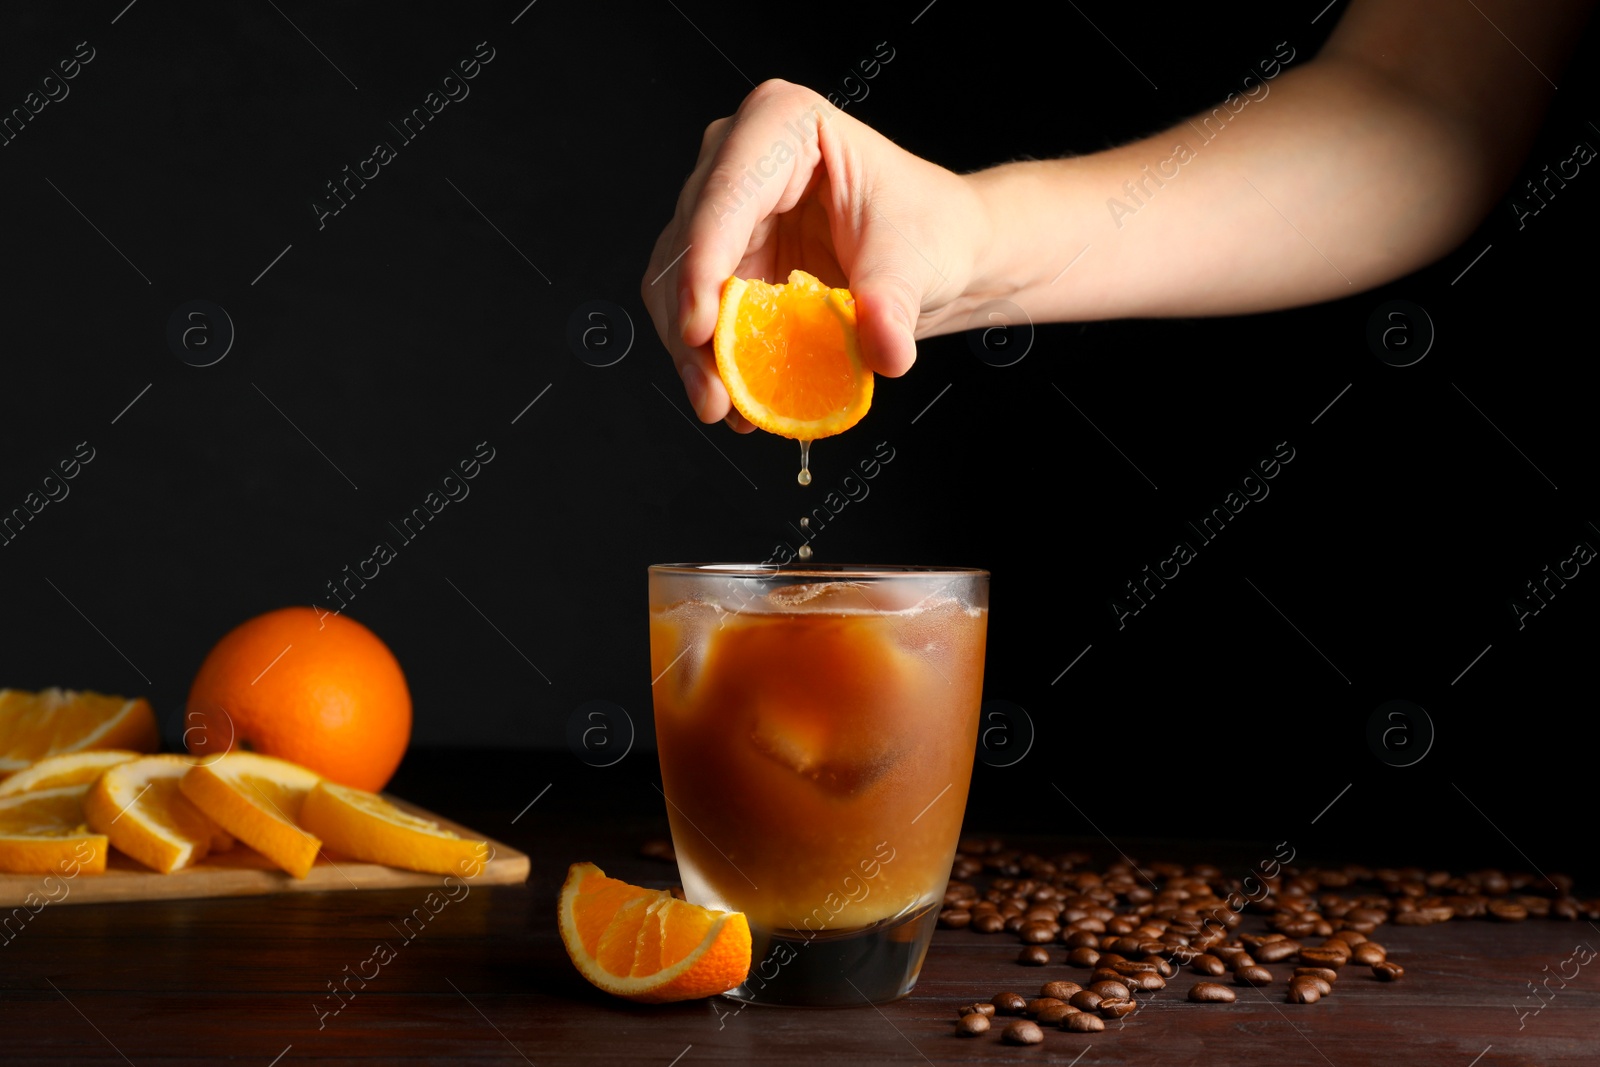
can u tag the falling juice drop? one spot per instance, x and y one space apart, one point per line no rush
805 551
805 463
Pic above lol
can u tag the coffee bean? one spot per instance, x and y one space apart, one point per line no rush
1369 952
1350 937
1145 982
980 1008
1243 959
1014 923
1021 1032
1508 911
1211 993
1080 938
1034 956
1127 967
1207 964
1059 990
1053 1016
1036 933
972 1025
1565 908
1083 1023
1303 994
988 923
1322 957
1009 1003
658 850
1085 1000
1040 914
1109 989
1423 916
1327 974
1083 957
1162 965
1228 953
1117 1007
1388 972
1256 976
1108 958
1038 1004
1276 951
1322 985
955 918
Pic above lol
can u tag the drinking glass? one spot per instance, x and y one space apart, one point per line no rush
816 729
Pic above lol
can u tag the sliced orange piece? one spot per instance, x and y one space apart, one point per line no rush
36 725
257 799
790 357
70 768
139 806
644 945
43 832
365 826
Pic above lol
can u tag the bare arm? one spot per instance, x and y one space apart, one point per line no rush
1346 171
1339 173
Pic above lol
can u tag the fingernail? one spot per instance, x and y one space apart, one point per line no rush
694 383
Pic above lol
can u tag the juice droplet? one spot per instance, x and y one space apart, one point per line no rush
805 523
805 463
805 551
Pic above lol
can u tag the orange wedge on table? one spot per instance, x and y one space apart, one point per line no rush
790 357
257 799
43 832
645 945
366 827
53 721
139 806
71 768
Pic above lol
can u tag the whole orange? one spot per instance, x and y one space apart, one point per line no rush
316 689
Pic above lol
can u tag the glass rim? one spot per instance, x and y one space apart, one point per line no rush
814 570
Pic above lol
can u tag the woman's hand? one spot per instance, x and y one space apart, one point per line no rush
787 182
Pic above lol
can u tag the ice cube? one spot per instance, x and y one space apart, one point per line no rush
810 748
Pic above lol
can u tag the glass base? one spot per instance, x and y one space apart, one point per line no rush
873 965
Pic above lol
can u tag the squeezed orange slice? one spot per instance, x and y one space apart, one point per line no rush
790 357
139 806
71 768
365 826
43 832
645 945
52 721
257 799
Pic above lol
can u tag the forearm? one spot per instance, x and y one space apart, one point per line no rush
1335 180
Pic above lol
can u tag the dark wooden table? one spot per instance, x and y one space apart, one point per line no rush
485 980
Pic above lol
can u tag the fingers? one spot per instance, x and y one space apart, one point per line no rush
764 162
696 365
888 298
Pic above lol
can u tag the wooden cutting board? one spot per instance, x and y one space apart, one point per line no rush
242 872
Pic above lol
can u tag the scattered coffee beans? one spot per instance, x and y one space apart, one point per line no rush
972 1025
1083 1023
1253 975
1009 1003
1209 965
1021 1032
1211 993
1388 972
1034 956
1061 991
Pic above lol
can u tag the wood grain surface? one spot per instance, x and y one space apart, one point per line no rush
482 978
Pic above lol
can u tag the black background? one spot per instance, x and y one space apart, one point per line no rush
410 328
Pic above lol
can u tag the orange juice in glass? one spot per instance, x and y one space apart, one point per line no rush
816 729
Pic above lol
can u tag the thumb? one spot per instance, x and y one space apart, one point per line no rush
888 300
